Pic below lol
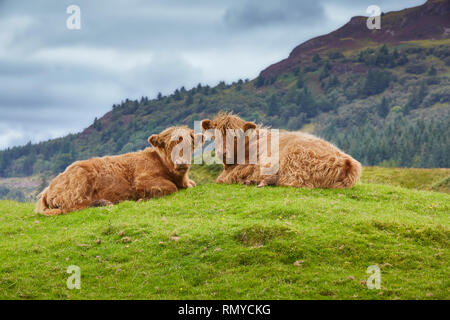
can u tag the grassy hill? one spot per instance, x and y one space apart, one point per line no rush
234 242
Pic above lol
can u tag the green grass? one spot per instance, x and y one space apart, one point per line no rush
442 185
411 178
203 174
423 179
234 242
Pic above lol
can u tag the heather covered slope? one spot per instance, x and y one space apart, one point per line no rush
234 242
429 21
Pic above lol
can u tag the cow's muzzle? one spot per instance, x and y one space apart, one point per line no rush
182 167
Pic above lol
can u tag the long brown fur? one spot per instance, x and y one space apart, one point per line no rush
138 175
304 160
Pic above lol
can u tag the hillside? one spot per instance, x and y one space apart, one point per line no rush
234 242
426 22
384 99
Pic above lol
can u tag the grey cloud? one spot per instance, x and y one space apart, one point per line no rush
254 13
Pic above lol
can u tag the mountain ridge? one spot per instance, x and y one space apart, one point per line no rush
355 34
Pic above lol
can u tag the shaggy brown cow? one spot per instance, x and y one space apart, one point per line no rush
304 160
138 175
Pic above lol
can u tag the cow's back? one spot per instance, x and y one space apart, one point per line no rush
308 161
99 178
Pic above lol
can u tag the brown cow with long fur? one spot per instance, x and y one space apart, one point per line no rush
133 176
304 160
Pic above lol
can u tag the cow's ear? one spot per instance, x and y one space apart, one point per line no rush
156 141
249 125
191 133
206 124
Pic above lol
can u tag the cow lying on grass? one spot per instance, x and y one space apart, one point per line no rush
132 176
304 160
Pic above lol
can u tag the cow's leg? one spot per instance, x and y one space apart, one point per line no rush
79 205
100 203
191 183
221 179
249 182
188 183
69 191
269 181
154 188
228 178
53 212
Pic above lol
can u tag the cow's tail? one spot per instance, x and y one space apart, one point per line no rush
43 207
351 172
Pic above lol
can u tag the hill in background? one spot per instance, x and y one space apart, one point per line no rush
381 95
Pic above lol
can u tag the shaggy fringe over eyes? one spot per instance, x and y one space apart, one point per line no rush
182 131
225 121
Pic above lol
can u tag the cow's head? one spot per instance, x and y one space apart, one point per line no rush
175 146
223 122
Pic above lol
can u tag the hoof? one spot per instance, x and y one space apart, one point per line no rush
191 183
269 181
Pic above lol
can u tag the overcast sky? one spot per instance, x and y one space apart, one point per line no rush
55 81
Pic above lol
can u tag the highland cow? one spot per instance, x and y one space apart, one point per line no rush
133 176
304 160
